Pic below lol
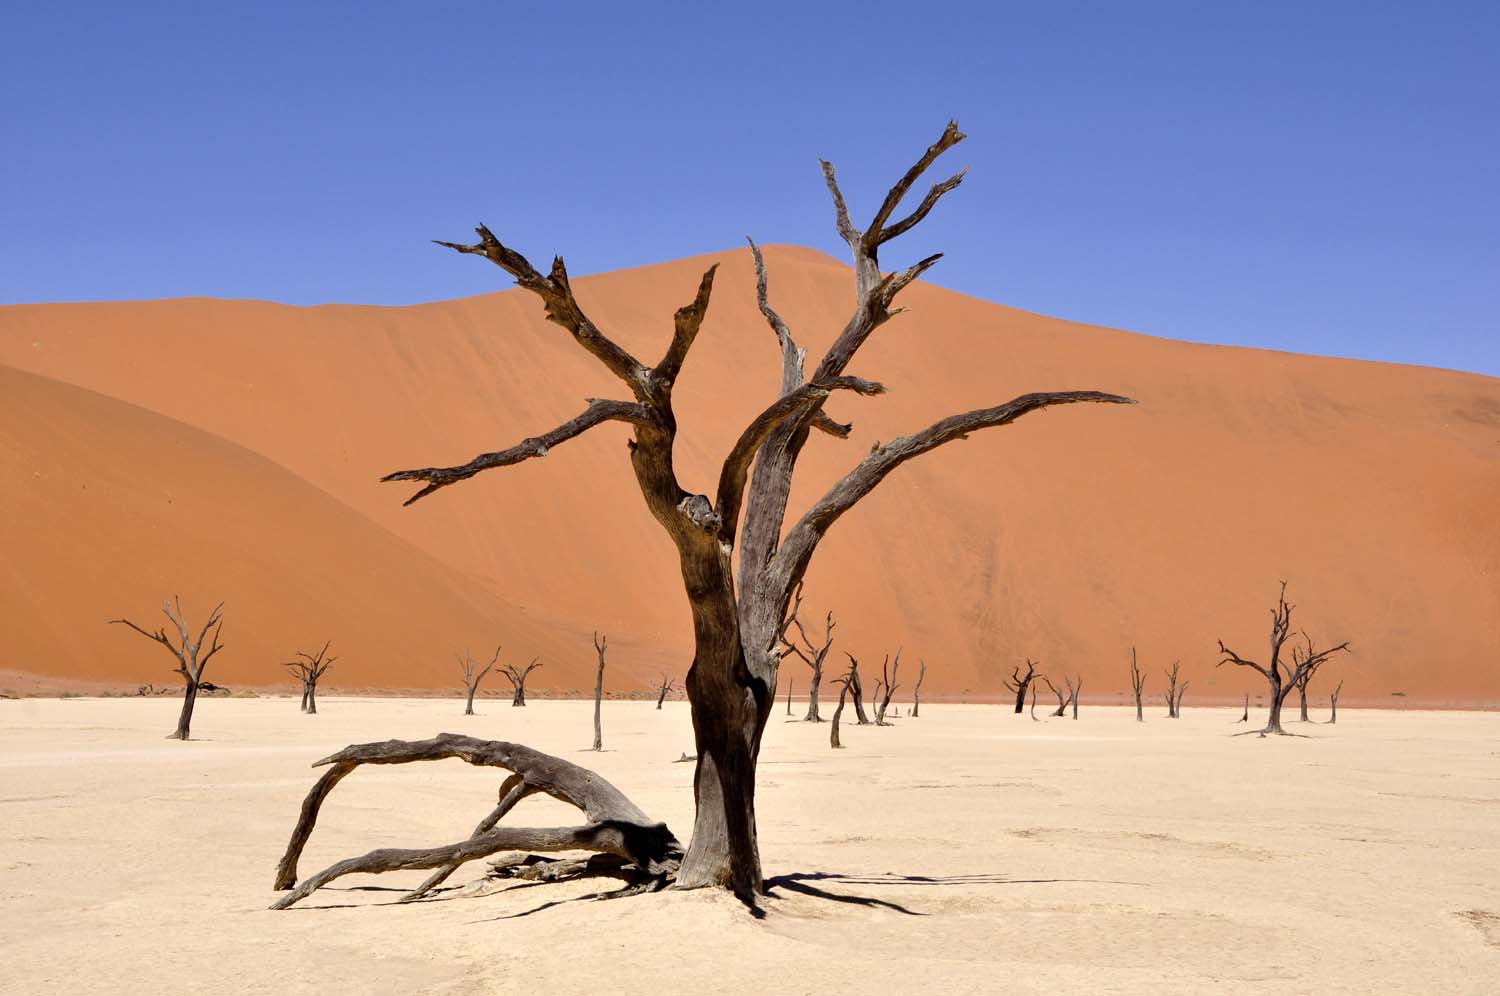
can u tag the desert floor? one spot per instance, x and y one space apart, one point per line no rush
969 850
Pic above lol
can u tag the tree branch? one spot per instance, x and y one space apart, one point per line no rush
598 411
791 560
687 321
877 232
556 292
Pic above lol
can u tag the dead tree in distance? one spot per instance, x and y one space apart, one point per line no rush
788 695
466 666
1245 716
1138 685
308 670
737 619
1174 691
1033 705
856 691
191 657
1019 682
1333 703
1062 701
812 654
916 692
1300 655
1279 676
833 729
889 671
1075 685
601 643
517 678
664 689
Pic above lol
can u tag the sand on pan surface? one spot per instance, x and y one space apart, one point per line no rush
969 850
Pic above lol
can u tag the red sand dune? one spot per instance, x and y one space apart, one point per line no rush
248 470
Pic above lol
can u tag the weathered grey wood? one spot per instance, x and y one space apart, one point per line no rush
191 657
1075 686
833 729
739 609
916 692
1175 689
1033 705
601 643
856 691
1280 677
1062 701
1137 685
472 678
1333 703
813 654
664 690
616 825
1245 716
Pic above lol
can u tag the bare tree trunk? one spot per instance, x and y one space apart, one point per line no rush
1302 698
185 717
1177 704
888 688
1074 688
1282 681
1173 696
1033 705
1062 703
788 696
312 698
472 678
833 730
1138 684
1019 682
1245 716
469 701
304 695
856 692
916 693
601 643
1333 704
663 691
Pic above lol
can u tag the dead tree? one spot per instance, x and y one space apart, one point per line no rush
601 643
844 684
308 670
517 678
1333 703
1074 687
1279 676
788 695
1019 682
1033 705
191 657
1138 684
1062 701
740 561
1245 716
812 654
664 690
916 692
1174 691
466 665
1299 656
889 670
856 692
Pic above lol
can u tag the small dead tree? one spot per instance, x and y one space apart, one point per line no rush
191 657
1299 657
601 643
1062 701
1075 685
1138 686
1033 705
1245 716
788 695
1279 676
916 692
889 670
813 654
1333 703
308 670
664 689
466 666
844 684
1019 682
517 678
1175 690
856 692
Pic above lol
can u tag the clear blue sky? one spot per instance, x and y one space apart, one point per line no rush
1314 176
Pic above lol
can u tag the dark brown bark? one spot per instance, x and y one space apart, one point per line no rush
833 730
1138 685
192 659
1019 682
1245 716
739 611
663 690
916 692
1280 677
517 678
308 670
616 826
466 665
601 644
856 692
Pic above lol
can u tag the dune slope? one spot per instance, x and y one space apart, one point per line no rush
1068 536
